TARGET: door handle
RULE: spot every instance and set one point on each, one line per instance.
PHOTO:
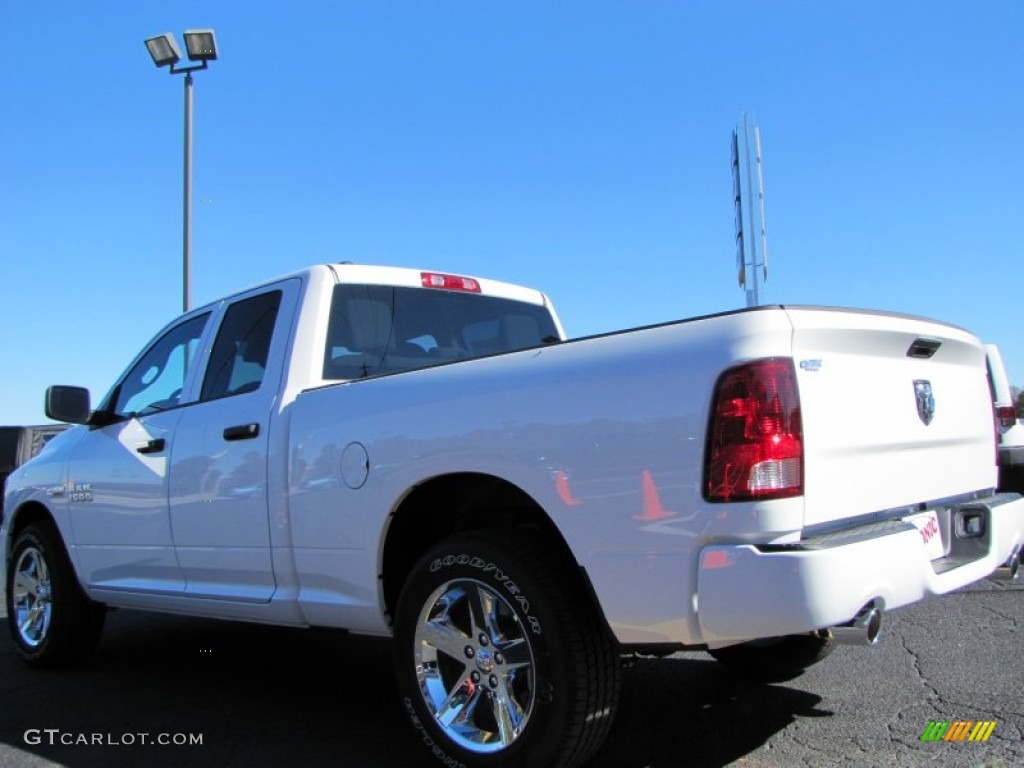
(242, 432)
(153, 446)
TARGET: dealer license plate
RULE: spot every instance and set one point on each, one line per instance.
(927, 524)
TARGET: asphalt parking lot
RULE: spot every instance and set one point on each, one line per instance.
(265, 696)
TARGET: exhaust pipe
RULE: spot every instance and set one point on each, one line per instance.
(864, 629)
(1010, 570)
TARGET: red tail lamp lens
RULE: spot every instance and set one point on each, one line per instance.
(755, 447)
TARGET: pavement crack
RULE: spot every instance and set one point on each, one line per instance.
(915, 663)
(1010, 619)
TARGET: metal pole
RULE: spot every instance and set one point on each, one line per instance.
(752, 298)
(187, 203)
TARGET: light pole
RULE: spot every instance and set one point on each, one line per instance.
(201, 46)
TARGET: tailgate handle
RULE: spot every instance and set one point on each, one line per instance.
(153, 446)
(242, 432)
(922, 349)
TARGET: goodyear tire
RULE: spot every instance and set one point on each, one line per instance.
(776, 659)
(52, 622)
(501, 659)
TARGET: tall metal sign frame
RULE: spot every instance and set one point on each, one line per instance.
(751, 249)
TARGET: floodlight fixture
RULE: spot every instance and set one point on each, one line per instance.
(164, 50)
(201, 44)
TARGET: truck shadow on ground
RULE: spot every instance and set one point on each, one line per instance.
(268, 696)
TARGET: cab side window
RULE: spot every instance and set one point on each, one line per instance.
(156, 381)
(238, 359)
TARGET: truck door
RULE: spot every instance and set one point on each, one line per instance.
(218, 475)
(117, 490)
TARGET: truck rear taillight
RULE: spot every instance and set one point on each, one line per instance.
(1006, 415)
(755, 440)
(449, 282)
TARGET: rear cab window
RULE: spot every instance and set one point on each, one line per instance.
(238, 359)
(379, 329)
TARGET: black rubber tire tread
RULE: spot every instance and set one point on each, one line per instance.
(76, 623)
(776, 660)
(588, 651)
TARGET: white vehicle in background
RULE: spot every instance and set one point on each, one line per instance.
(1010, 430)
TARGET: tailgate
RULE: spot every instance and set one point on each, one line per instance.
(896, 411)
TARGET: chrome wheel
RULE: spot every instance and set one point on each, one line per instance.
(502, 660)
(50, 618)
(474, 666)
(32, 597)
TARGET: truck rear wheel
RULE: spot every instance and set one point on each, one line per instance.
(51, 620)
(500, 661)
(776, 659)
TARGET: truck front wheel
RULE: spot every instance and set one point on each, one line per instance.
(500, 660)
(51, 620)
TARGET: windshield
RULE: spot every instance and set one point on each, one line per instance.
(377, 329)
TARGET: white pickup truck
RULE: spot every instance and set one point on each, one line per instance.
(423, 455)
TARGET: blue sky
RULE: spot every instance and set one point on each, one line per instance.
(579, 147)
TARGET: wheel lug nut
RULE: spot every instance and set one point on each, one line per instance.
(470, 653)
(475, 677)
(493, 681)
(483, 639)
(498, 658)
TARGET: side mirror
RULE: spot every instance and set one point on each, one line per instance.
(70, 404)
